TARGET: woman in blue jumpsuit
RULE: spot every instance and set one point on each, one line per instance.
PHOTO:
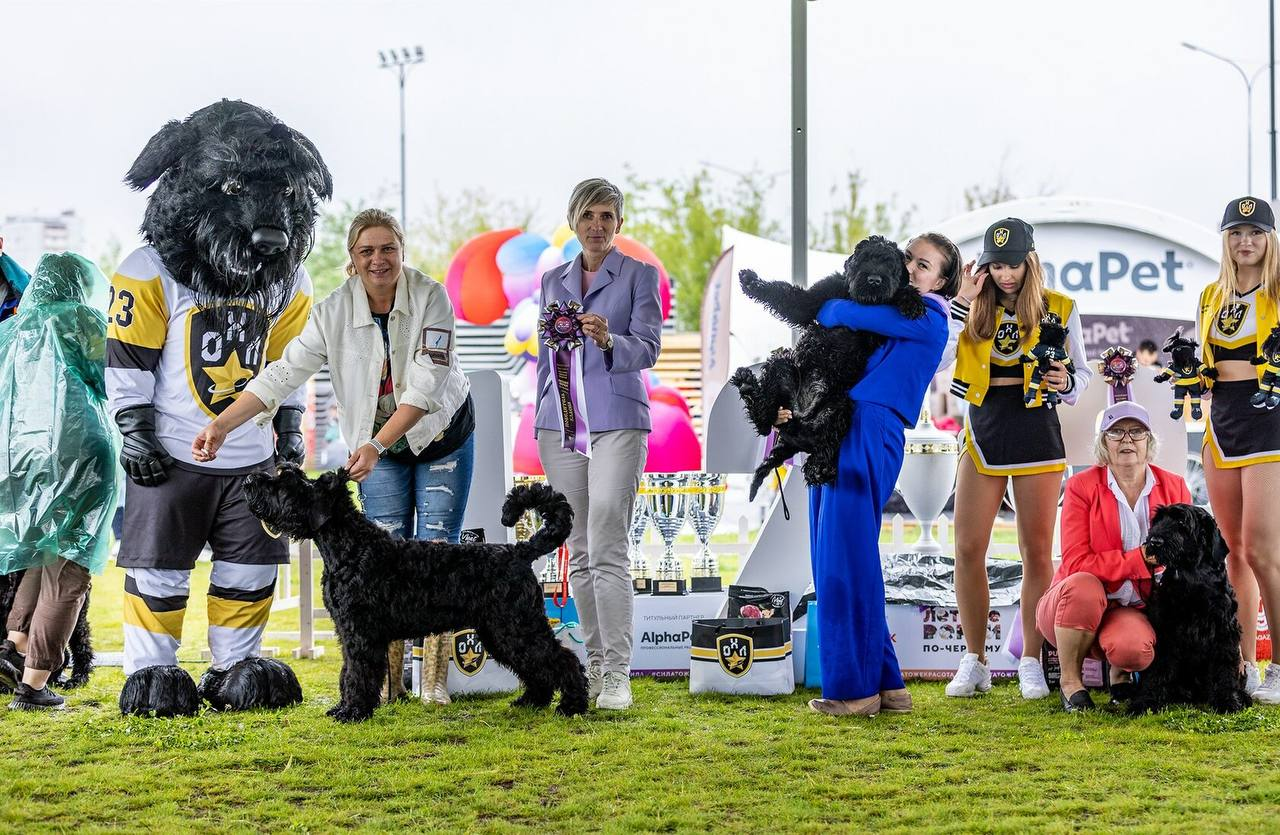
(859, 665)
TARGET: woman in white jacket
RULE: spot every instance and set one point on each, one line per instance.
(388, 330)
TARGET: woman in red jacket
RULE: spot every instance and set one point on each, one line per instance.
(1094, 606)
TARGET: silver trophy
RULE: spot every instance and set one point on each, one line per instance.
(525, 527)
(640, 578)
(667, 496)
(706, 507)
(928, 477)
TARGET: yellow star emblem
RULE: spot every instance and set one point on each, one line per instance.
(469, 657)
(227, 378)
(735, 661)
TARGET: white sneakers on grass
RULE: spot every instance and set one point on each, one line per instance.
(974, 677)
(1268, 693)
(615, 694)
(1031, 679)
(1252, 679)
(595, 680)
(971, 677)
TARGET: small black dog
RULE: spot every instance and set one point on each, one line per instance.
(80, 647)
(1193, 612)
(813, 378)
(379, 589)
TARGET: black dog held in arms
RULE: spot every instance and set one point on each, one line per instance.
(1193, 612)
(379, 589)
(813, 378)
(79, 651)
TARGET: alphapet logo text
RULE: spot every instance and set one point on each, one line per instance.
(1112, 270)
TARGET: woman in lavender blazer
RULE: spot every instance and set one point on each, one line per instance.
(622, 319)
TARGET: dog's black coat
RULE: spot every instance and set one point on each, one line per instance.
(233, 213)
(1193, 612)
(80, 646)
(379, 589)
(813, 378)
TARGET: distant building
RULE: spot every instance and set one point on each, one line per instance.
(27, 237)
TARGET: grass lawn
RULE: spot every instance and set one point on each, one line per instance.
(673, 763)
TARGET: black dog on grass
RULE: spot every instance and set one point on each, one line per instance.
(79, 649)
(813, 378)
(379, 589)
(1193, 612)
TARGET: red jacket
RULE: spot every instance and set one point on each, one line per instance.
(1091, 529)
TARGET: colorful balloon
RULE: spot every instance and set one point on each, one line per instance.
(516, 288)
(673, 444)
(524, 453)
(561, 236)
(670, 396)
(571, 249)
(519, 255)
(551, 257)
(640, 252)
(474, 281)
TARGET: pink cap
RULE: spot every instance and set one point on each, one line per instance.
(1124, 409)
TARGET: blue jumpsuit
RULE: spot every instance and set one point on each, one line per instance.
(857, 653)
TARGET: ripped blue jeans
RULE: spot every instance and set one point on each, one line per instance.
(425, 500)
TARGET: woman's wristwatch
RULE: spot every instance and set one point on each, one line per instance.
(377, 446)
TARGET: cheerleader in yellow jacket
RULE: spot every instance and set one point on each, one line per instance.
(995, 319)
(1241, 442)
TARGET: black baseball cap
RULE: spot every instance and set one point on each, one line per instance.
(1007, 241)
(1253, 211)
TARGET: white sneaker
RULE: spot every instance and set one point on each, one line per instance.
(595, 680)
(1031, 679)
(971, 676)
(1268, 693)
(1252, 679)
(616, 693)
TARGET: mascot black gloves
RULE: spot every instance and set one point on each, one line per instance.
(290, 448)
(141, 454)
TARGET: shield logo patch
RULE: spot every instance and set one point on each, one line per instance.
(1000, 237)
(1231, 317)
(1247, 207)
(221, 359)
(1006, 342)
(468, 653)
(735, 652)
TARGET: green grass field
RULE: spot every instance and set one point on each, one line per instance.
(673, 763)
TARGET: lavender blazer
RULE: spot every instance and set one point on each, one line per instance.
(625, 293)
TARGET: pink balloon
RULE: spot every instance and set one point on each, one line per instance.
(517, 288)
(524, 319)
(524, 454)
(670, 396)
(550, 258)
(673, 445)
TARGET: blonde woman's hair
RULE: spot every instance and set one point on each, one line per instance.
(981, 324)
(1103, 458)
(590, 192)
(1270, 267)
(371, 219)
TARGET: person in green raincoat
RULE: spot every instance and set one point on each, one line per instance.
(57, 468)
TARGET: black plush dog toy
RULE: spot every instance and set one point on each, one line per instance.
(1193, 612)
(1268, 394)
(1187, 372)
(813, 378)
(379, 589)
(1051, 347)
(80, 647)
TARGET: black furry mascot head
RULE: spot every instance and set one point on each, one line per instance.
(233, 214)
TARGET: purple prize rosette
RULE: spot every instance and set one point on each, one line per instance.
(1118, 367)
(560, 328)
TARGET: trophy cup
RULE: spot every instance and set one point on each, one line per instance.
(928, 476)
(706, 507)
(525, 526)
(640, 578)
(666, 495)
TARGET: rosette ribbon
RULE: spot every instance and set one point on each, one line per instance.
(561, 330)
(1118, 367)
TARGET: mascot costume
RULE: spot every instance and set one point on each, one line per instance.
(215, 295)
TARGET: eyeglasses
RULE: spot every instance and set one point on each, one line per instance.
(1132, 434)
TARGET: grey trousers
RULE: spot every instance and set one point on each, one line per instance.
(602, 492)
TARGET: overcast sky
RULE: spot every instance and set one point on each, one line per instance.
(525, 97)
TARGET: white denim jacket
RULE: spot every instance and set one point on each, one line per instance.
(341, 331)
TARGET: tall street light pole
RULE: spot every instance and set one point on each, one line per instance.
(799, 147)
(1248, 89)
(400, 60)
(1271, 46)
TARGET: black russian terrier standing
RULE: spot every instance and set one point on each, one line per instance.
(80, 646)
(1193, 612)
(813, 378)
(379, 589)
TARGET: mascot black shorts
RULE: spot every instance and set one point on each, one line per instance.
(1004, 437)
(166, 526)
(1237, 434)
